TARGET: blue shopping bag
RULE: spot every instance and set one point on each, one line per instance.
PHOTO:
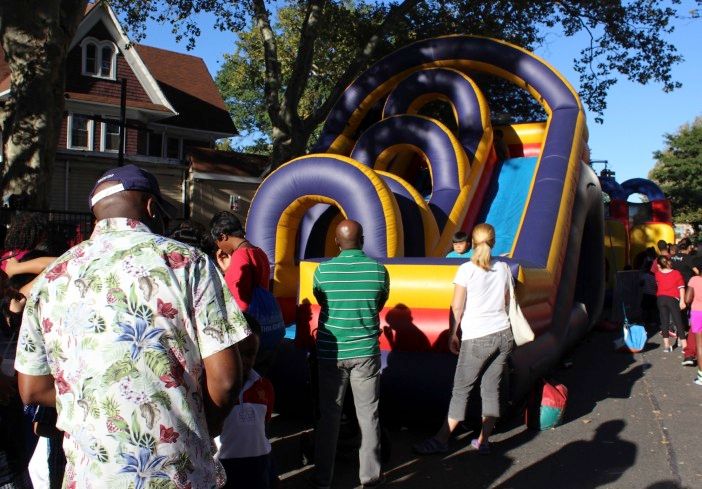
(635, 336)
(266, 310)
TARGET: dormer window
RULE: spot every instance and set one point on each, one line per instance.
(99, 58)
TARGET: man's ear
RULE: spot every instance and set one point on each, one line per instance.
(151, 206)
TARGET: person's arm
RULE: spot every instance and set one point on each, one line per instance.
(35, 266)
(37, 389)
(220, 326)
(223, 381)
(689, 294)
(385, 293)
(458, 304)
(682, 303)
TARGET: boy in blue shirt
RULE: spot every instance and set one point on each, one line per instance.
(461, 248)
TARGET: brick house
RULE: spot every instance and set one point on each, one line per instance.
(172, 107)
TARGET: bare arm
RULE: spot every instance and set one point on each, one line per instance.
(690, 295)
(35, 266)
(458, 305)
(37, 389)
(223, 380)
(682, 297)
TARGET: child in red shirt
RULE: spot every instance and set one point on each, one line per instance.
(671, 300)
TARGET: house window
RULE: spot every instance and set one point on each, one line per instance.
(107, 55)
(110, 136)
(173, 148)
(99, 58)
(80, 132)
(155, 144)
(90, 59)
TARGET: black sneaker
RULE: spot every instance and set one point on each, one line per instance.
(689, 361)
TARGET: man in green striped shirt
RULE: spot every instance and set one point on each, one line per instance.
(351, 290)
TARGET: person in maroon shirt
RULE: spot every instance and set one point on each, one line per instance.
(671, 300)
(244, 265)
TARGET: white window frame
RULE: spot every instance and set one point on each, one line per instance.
(98, 58)
(103, 136)
(69, 133)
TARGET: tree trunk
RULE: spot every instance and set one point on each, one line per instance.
(288, 144)
(35, 36)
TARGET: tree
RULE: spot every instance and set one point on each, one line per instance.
(35, 36)
(287, 72)
(678, 171)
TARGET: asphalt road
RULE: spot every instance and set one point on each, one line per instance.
(633, 421)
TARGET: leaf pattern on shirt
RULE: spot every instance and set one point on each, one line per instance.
(122, 321)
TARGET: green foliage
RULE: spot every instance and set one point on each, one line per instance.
(279, 86)
(678, 171)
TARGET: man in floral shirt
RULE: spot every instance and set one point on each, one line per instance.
(133, 338)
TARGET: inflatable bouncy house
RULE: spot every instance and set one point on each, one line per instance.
(412, 183)
(632, 227)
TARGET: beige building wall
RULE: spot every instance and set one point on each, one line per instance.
(208, 197)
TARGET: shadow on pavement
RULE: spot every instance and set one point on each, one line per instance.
(581, 464)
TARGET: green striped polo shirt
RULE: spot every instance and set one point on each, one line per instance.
(351, 290)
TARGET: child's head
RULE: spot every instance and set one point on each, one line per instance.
(248, 347)
(460, 242)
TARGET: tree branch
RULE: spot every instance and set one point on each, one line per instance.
(272, 78)
(305, 56)
(366, 53)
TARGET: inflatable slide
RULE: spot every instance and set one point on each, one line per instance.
(412, 181)
(632, 227)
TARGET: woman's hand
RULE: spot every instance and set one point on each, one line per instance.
(682, 304)
(454, 343)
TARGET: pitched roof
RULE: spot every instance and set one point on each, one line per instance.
(188, 85)
(227, 162)
(185, 82)
(101, 99)
(5, 68)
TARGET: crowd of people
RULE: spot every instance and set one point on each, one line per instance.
(672, 297)
(141, 359)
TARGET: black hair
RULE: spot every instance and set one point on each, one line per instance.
(226, 223)
(254, 325)
(662, 260)
(662, 245)
(26, 231)
(460, 236)
(189, 233)
(684, 244)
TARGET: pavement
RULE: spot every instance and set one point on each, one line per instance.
(632, 421)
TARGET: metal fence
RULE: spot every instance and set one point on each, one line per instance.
(63, 226)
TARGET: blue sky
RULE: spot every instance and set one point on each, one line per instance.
(636, 118)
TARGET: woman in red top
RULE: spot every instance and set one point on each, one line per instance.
(671, 300)
(244, 265)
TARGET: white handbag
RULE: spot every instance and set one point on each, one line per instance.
(521, 330)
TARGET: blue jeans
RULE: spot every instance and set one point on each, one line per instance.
(364, 376)
(486, 355)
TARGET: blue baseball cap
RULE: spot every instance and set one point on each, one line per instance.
(130, 177)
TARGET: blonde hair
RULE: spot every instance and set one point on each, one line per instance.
(483, 241)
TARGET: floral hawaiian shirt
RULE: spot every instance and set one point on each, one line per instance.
(122, 322)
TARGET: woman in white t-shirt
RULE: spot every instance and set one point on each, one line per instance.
(480, 304)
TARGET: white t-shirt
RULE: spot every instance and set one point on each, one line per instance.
(486, 310)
